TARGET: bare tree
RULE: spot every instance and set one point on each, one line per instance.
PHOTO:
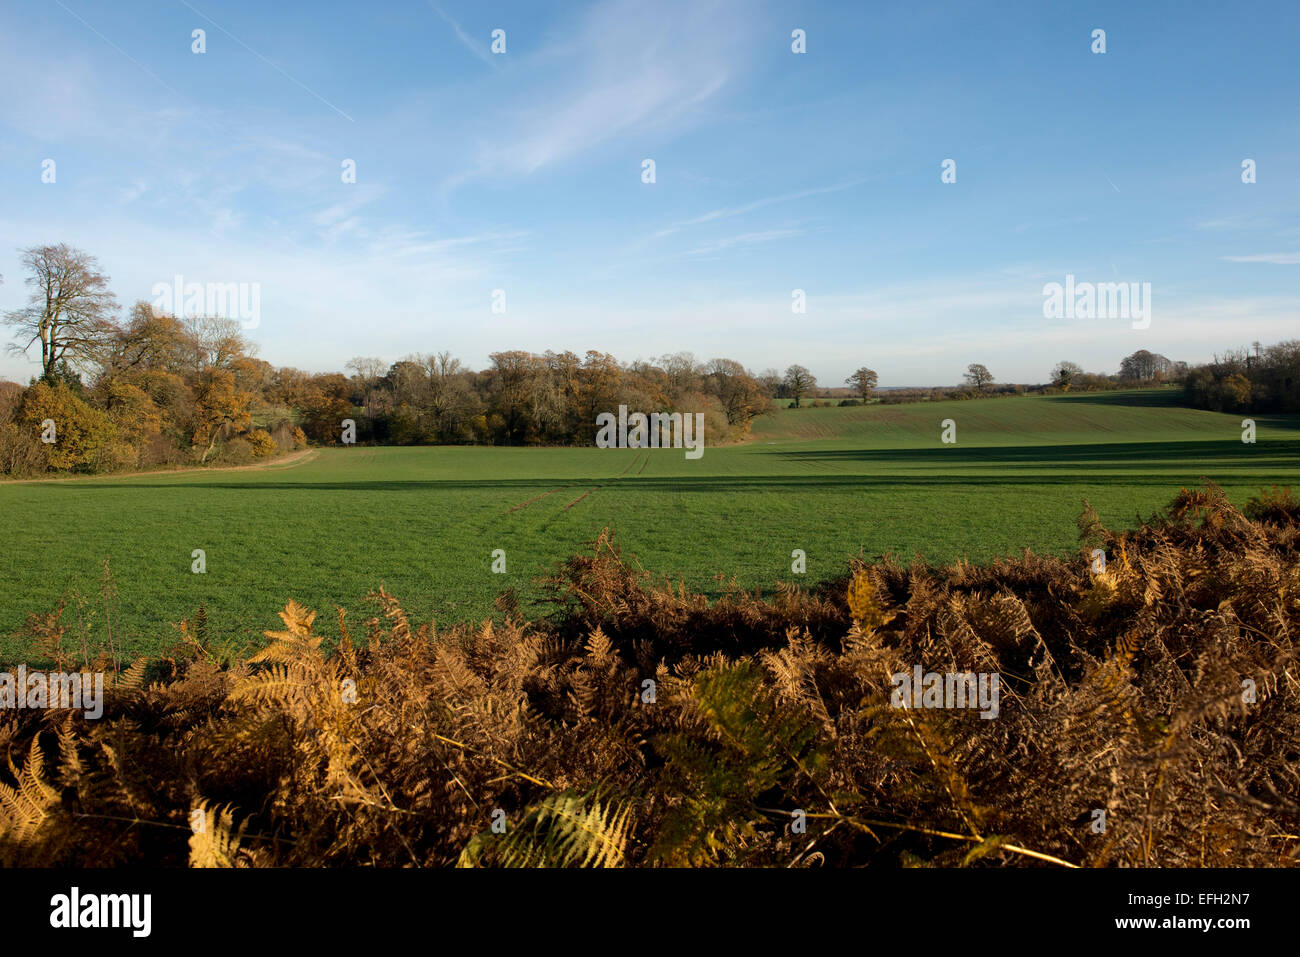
(367, 368)
(863, 380)
(741, 396)
(683, 373)
(512, 372)
(1144, 366)
(799, 382)
(770, 380)
(368, 371)
(214, 342)
(69, 311)
(1064, 373)
(451, 400)
(978, 375)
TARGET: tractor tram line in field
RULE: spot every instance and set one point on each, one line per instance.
(632, 464)
(582, 496)
(536, 498)
(642, 458)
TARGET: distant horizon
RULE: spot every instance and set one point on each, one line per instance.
(821, 383)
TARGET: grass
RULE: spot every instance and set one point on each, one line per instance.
(835, 482)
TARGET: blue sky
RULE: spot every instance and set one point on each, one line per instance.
(774, 171)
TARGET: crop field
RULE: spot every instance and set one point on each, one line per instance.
(424, 522)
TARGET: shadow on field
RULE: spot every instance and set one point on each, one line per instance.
(1153, 464)
(793, 484)
(1113, 456)
(1141, 399)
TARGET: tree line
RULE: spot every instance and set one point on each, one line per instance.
(524, 398)
(1259, 379)
(153, 389)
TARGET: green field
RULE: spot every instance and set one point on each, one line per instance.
(835, 482)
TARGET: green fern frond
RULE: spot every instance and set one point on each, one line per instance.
(755, 743)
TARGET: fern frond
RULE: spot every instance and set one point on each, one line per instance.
(275, 685)
(297, 638)
(214, 840)
(23, 809)
(599, 647)
(757, 743)
(563, 830)
(133, 678)
(865, 605)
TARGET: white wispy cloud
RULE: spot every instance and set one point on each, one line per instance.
(1277, 259)
(357, 195)
(742, 239)
(276, 67)
(398, 244)
(479, 50)
(728, 212)
(1239, 221)
(634, 67)
(133, 192)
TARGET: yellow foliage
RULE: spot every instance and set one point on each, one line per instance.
(25, 808)
(263, 445)
(866, 608)
(214, 841)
